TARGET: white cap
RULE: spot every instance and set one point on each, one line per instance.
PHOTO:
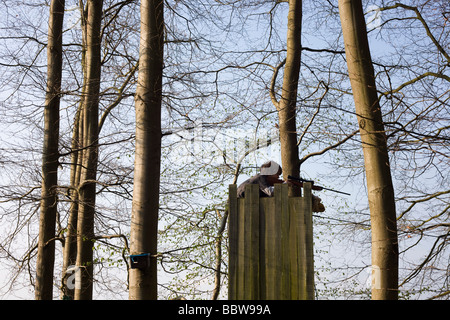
(272, 169)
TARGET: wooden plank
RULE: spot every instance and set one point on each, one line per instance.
(273, 246)
(277, 262)
(300, 209)
(264, 208)
(251, 250)
(271, 275)
(285, 292)
(233, 232)
(309, 243)
(294, 243)
(240, 257)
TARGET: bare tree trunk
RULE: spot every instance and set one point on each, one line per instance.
(376, 158)
(70, 242)
(87, 188)
(48, 209)
(144, 218)
(288, 102)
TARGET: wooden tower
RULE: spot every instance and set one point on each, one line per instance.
(271, 245)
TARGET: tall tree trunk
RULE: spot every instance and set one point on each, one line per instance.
(288, 102)
(70, 243)
(144, 218)
(48, 208)
(376, 158)
(87, 188)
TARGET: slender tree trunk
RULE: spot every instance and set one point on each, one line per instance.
(87, 188)
(70, 243)
(376, 158)
(288, 102)
(48, 209)
(144, 218)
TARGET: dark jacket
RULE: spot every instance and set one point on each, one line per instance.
(265, 190)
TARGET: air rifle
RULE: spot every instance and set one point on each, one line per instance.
(314, 187)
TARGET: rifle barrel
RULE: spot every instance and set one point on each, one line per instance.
(348, 194)
(303, 180)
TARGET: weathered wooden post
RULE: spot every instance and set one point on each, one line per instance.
(271, 245)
